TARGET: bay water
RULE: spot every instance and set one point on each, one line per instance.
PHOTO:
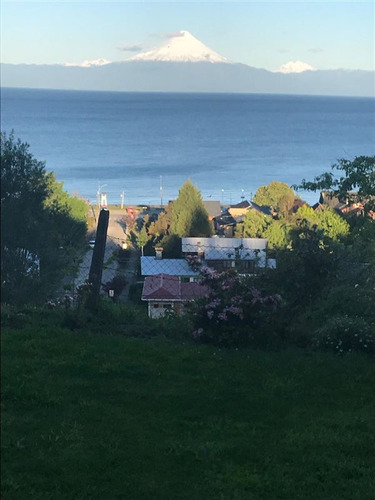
(147, 144)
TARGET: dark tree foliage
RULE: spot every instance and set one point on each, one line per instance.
(172, 246)
(189, 217)
(42, 228)
(355, 181)
(307, 265)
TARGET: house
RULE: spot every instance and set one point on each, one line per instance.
(167, 294)
(239, 209)
(297, 204)
(152, 266)
(213, 208)
(263, 209)
(225, 225)
(328, 199)
(348, 207)
(242, 208)
(243, 254)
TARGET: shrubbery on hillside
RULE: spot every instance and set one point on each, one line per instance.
(42, 228)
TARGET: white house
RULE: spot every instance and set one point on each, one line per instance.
(223, 253)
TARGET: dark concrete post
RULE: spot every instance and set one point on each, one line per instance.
(96, 268)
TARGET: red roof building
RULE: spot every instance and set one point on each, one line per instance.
(168, 294)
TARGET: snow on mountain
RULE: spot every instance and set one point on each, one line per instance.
(183, 47)
(89, 64)
(295, 67)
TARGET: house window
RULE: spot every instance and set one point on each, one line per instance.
(155, 306)
(228, 263)
(167, 306)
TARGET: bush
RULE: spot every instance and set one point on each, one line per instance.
(117, 284)
(233, 312)
(345, 334)
(123, 256)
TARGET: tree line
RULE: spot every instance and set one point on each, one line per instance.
(43, 229)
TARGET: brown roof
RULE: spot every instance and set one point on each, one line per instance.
(242, 204)
(169, 287)
(213, 208)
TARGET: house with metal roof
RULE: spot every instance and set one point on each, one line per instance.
(151, 266)
(244, 254)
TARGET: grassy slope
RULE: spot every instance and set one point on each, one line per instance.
(114, 418)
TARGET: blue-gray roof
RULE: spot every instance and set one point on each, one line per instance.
(176, 267)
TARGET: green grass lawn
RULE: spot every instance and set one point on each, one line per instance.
(95, 417)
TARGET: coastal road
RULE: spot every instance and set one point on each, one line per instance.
(116, 234)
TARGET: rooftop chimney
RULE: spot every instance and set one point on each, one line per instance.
(158, 253)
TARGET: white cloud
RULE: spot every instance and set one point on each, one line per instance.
(173, 34)
(166, 36)
(130, 48)
(295, 67)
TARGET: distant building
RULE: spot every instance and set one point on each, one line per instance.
(225, 225)
(213, 208)
(347, 207)
(166, 294)
(244, 254)
(239, 209)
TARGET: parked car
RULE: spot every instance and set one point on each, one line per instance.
(92, 243)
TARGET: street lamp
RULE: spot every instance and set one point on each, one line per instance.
(98, 194)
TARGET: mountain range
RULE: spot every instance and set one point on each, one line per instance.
(184, 64)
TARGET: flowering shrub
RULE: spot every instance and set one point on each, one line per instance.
(233, 312)
(83, 292)
(345, 334)
(66, 301)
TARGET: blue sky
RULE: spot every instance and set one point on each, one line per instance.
(326, 35)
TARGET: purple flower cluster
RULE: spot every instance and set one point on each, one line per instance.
(214, 303)
(230, 305)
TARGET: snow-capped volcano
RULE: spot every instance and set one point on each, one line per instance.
(182, 47)
(89, 64)
(295, 67)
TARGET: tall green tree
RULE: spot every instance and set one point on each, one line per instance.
(189, 217)
(353, 181)
(42, 228)
(254, 225)
(272, 194)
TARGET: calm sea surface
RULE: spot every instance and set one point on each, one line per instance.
(227, 144)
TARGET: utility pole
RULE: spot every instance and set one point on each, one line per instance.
(161, 192)
(96, 268)
(98, 197)
(122, 196)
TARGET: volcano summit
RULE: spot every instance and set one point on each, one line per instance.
(184, 64)
(181, 47)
